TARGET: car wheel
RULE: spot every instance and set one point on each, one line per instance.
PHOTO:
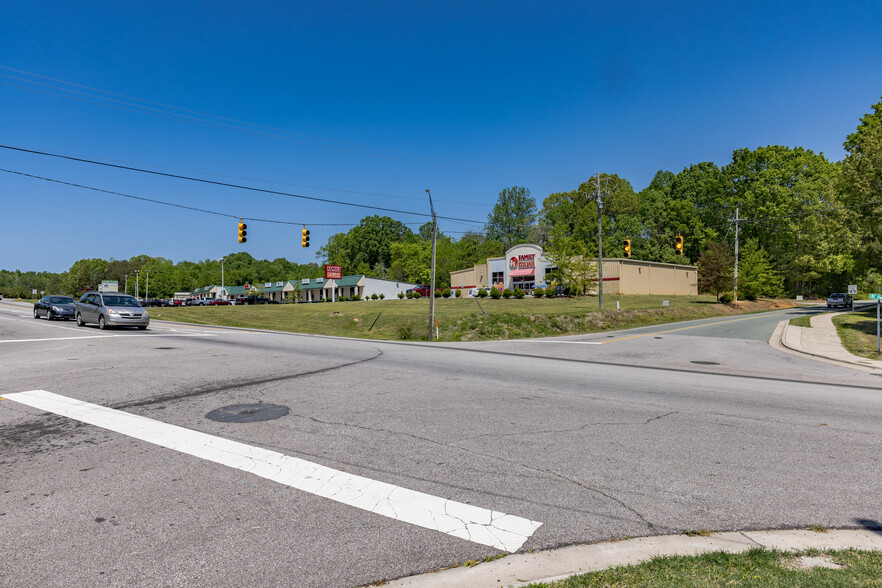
(142, 327)
(101, 323)
(36, 314)
(80, 322)
(48, 315)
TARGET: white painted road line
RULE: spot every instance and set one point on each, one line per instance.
(555, 341)
(487, 527)
(139, 335)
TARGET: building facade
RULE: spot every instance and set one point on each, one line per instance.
(525, 267)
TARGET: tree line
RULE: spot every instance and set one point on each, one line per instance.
(805, 224)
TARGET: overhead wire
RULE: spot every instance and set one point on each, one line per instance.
(231, 185)
(249, 128)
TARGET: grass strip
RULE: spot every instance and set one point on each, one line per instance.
(802, 321)
(463, 320)
(757, 567)
(857, 331)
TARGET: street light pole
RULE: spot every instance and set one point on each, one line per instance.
(222, 278)
(599, 247)
(147, 287)
(432, 286)
(137, 287)
(127, 283)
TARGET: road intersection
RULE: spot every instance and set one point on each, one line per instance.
(636, 433)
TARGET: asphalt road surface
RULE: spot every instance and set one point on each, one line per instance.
(396, 458)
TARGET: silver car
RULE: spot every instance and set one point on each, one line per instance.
(111, 309)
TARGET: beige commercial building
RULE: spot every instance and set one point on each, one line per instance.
(525, 267)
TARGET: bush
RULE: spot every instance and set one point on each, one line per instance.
(382, 296)
(401, 296)
(417, 295)
(538, 292)
(405, 332)
(482, 293)
(446, 293)
(437, 293)
(506, 293)
(726, 298)
(374, 297)
(495, 294)
(750, 296)
(518, 293)
(410, 295)
(459, 293)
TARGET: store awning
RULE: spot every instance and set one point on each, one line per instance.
(521, 272)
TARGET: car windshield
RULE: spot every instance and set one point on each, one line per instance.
(61, 300)
(120, 301)
(837, 295)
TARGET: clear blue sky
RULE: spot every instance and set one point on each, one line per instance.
(373, 102)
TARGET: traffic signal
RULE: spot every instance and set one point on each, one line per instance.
(242, 232)
(305, 240)
(678, 244)
(627, 247)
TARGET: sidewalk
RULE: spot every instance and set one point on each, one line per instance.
(520, 569)
(821, 341)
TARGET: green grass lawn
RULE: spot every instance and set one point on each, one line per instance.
(757, 567)
(458, 319)
(857, 330)
(801, 321)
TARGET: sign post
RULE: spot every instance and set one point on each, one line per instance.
(878, 299)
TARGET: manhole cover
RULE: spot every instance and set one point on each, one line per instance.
(248, 413)
(707, 362)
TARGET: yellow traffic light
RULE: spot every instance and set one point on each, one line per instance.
(242, 232)
(628, 247)
(305, 241)
(678, 244)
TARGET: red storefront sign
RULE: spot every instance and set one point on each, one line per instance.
(333, 272)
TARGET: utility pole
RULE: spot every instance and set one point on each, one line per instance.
(599, 247)
(432, 286)
(127, 283)
(222, 278)
(735, 289)
(137, 288)
(147, 287)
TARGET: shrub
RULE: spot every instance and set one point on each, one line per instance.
(437, 293)
(410, 295)
(458, 293)
(750, 296)
(446, 293)
(401, 296)
(725, 298)
(374, 297)
(538, 292)
(405, 332)
(518, 293)
(382, 296)
(354, 297)
(506, 293)
(495, 294)
(482, 293)
(417, 295)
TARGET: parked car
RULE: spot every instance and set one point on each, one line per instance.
(111, 309)
(840, 299)
(62, 307)
(252, 300)
(177, 302)
(219, 302)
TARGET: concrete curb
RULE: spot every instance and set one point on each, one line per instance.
(520, 569)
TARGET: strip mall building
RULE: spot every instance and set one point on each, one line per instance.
(525, 267)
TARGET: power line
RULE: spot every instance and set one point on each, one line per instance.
(230, 185)
(233, 124)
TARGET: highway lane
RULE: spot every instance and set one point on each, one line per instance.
(593, 441)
